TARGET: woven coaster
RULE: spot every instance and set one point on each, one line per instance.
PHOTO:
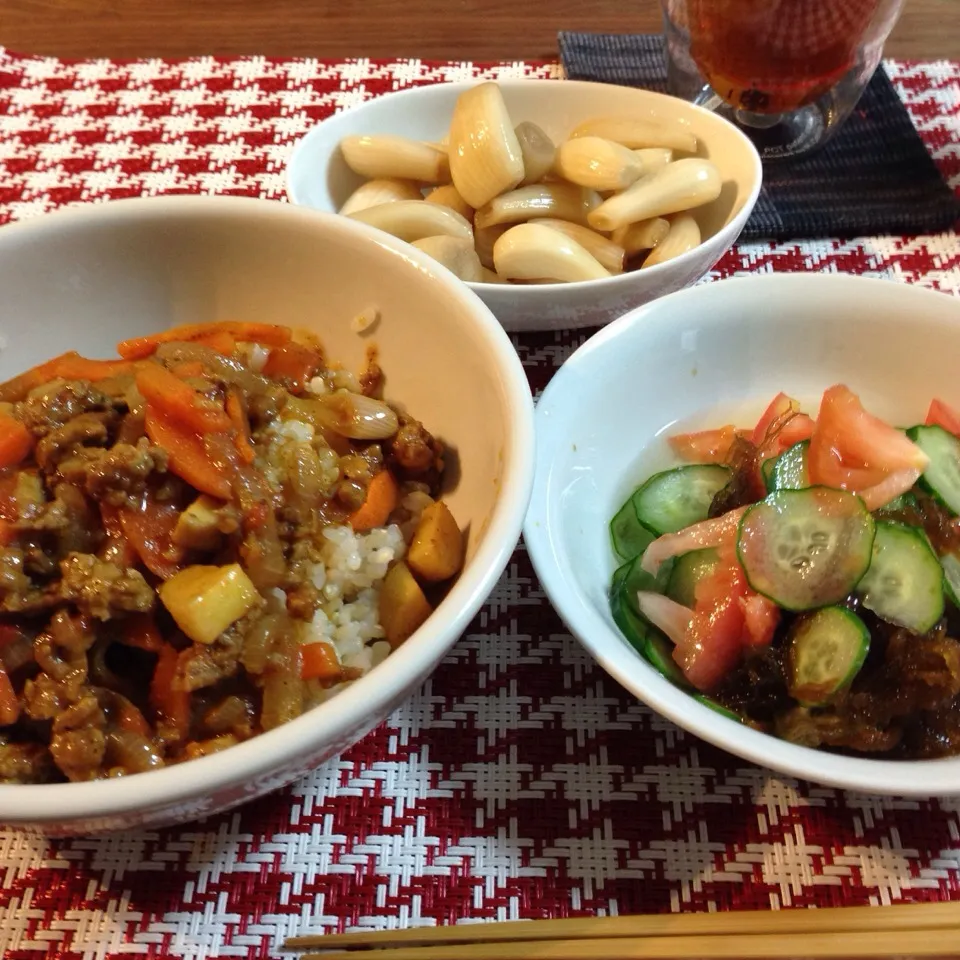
(874, 177)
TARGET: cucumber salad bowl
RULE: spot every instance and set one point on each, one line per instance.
(746, 507)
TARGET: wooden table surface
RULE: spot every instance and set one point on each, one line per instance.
(431, 29)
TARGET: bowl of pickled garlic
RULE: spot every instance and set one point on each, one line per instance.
(655, 190)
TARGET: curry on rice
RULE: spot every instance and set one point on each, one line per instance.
(199, 541)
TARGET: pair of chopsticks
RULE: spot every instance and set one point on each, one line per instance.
(842, 933)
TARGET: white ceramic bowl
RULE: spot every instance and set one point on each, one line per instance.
(707, 356)
(87, 277)
(318, 177)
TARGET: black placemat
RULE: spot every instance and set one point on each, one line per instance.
(874, 177)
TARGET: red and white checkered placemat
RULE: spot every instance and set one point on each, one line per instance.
(520, 781)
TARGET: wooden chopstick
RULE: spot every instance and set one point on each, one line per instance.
(868, 945)
(913, 916)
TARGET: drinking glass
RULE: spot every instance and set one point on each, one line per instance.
(787, 72)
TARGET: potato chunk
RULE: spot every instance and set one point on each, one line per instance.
(403, 607)
(204, 601)
(436, 552)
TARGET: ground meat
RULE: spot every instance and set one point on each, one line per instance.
(413, 449)
(59, 403)
(371, 380)
(70, 519)
(64, 442)
(203, 665)
(303, 600)
(120, 475)
(45, 698)
(79, 741)
(26, 763)
(103, 589)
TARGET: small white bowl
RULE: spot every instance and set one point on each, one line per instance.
(318, 177)
(706, 356)
(90, 276)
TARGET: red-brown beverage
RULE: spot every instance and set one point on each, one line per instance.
(771, 56)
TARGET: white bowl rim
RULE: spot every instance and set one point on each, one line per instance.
(606, 285)
(49, 803)
(906, 778)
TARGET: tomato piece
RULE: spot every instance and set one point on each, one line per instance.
(943, 415)
(704, 446)
(761, 618)
(167, 698)
(714, 640)
(795, 430)
(778, 408)
(294, 365)
(852, 449)
(148, 530)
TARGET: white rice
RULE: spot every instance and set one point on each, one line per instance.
(349, 576)
(348, 571)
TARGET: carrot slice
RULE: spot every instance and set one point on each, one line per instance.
(71, 366)
(187, 453)
(16, 441)
(179, 401)
(241, 438)
(318, 661)
(383, 494)
(266, 334)
(222, 341)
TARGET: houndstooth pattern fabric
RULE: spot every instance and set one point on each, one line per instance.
(520, 781)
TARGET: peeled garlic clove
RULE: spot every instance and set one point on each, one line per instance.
(598, 163)
(606, 252)
(634, 133)
(485, 155)
(483, 240)
(395, 157)
(448, 196)
(654, 159)
(559, 201)
(374, 192)
(413, 220)
(644, 235)
(532, 252)
(681, 185)
(539, 152)
(489, 276)
(456, 254)
(684, 235)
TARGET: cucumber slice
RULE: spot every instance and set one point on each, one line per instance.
(790, 468)
(806, 548)
(950, 563)
(942, 476)
(825, 652)
(652, 645)
(627, 534)
(674, 499)
(904, 584)
(766, 472)
(687, 572)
